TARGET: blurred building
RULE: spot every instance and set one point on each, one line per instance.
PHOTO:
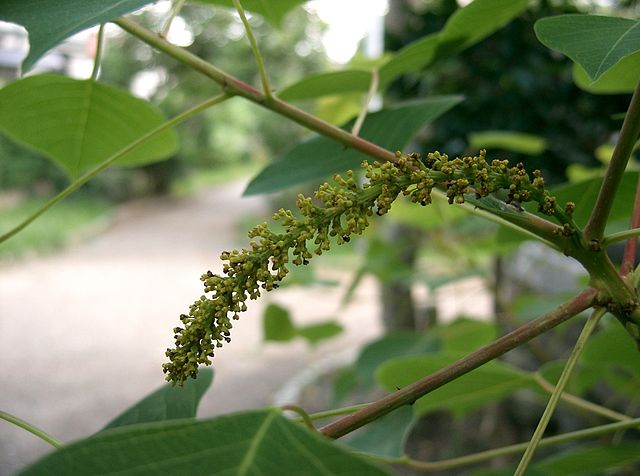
(74, 57)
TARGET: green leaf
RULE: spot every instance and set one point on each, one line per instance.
(386, 436)
(476, 21)
(324, 84)
(620, 78)
(252, 443)
(467, 26)
(338, 109)
(320, 331)
(319, 157)
(616, 359)
(489, 383)
(584, 195)
(436, 216)
(79, 124)
(529, 144)
(391, 346)
(344, 382)
(49, 22)
(167, 403)
(273, 11)
(594, 42)
(593, 460)
(277, 324)
(465, 335)
(383, 260)
(582, 378)
(529, 306)
(413, 57)
(306, 277)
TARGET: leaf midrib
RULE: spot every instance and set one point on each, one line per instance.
(82, 127)
(612, 49)
(249, 457)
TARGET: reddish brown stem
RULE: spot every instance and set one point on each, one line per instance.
(411, 393)
(630, 249)
(234, 86)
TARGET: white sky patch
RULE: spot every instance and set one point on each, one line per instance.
(179, 33)
(348, 21)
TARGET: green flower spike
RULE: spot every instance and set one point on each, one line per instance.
(338, 211)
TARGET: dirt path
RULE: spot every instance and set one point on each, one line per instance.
(83, 332)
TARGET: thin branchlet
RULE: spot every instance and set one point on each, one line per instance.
(336, 213)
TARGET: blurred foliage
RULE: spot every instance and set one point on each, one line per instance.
(511, 82)
(27, 170)
(234, 133)
(68, 220)
(237, 130)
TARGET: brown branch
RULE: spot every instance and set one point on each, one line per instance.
(236, 87)
(411, 393)
(630, 248)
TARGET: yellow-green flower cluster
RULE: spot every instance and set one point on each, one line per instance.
(337, 212)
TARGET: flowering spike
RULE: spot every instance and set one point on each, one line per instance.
(345, 210)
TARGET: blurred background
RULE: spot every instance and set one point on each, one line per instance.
(89, 293)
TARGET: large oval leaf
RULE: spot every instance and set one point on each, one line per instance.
(489, 383)
(251, 443)
(319, 157)
(167, 403)
(595, 42)
(79, 124)
(49, 22)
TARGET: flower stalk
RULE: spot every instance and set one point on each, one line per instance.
(345, 210)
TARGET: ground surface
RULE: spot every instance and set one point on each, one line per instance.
(83, 332)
